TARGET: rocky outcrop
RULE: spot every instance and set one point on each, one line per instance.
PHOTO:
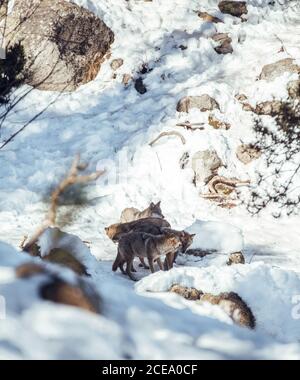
(64, 44)
(209, 18)
(293, 88)
(247, 153)
(218, 124)
(190, 294)
(205, 164)
(66, 259)
(274, 70)
(233, 8)
(271, 108)
(202, 102)
(231, 303)
(236, 258)
(55, 288)
(140, 86)
(224, 43)
(78, 295)
(116, 63)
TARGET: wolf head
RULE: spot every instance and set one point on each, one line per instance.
(112, 231)
(156, 210)
(186, 240)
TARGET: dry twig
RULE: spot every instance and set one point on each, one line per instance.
(168, 134)
(191, 126)
(72, 178)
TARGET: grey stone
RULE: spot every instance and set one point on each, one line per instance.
(64, 43)
(202, 102)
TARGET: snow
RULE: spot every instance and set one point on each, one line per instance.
(111, 127)
(216, 236)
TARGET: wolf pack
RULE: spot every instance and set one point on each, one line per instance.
(146, 235)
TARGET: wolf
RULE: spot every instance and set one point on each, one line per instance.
(143, 245)
(186, 240)
(115, 231)
(131, 214)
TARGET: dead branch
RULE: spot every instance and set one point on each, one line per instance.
(191, 126)
(168, 134)
(72, 178)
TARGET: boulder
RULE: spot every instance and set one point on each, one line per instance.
(208, 18)
(247, 153)
(293, 88)
(224, 43)
(202, 102)
(218, 124)
(205, 164)
(64, 44)
(274, 70)
(139, 86)
(233, 8)
(116, 63)
(79, 295)
(190, 294)
(271, 108)
(66, 259)
(233, 305)
(236, 258)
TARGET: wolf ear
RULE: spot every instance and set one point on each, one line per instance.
(192, 235)
(152, 204)
(158, 204)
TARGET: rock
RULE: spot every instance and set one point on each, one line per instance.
(217, 124)
(139, 86)
(205, 164)
(116, 64)
(28, 270)
(224, 42)
(271, 108)
(66, 259)
(190, 294)
(293, 88)
(241, 97)
(274, 70)
(236, 258)
(64, 43)
(233, 8)
(208, 18)
(233, 305)
(79, 295)
(247, 107)
(202, 102)
(126, 79)
(247, 153)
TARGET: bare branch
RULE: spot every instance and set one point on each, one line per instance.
(191, 126)
(168, 134)
(71, 179)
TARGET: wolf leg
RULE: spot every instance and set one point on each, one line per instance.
(143, 264)
(160, 264)
(128, 270)
(150, 260)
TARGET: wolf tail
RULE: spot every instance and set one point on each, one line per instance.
(116, 262)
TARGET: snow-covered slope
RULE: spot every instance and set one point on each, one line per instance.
(111, 126)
